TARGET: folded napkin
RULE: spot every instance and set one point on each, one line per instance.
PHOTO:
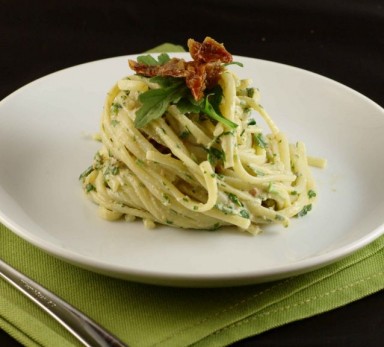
(146, 315)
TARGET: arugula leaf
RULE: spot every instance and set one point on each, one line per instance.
(173, 90)
(163, 58)
(156, 101)
(189, 105)
(151, 61)
(215, 95)
(209, 110)
(164, 81)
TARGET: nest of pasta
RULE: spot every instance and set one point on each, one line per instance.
(182, 145)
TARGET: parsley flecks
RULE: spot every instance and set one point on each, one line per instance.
(244, 214)
(215, 226)
(311, 194)
(112, 170)
(114, 122)
(305, 210)
(250, 92)
(86, 172)
(115, 107)
(234, 199)
(215, 154)
(184, 134)
(89, 187)
(260, 140)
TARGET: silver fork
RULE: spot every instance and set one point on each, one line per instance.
(81, 326)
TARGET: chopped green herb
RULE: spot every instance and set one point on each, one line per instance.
(139, 162)
(252, 121)
(311, 194)
(260, 140)
(215, 226)
(111, 169)
(184, 134)
(250, 92)
(114, 122)
(115, 107)
(305, 210)
(89, 187)
(234, 199)
(244, 214)
(86, 172)
(166, 198)
(215, 155)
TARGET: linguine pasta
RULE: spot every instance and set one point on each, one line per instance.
(188, 170)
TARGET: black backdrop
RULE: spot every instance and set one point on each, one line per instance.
(343, 40)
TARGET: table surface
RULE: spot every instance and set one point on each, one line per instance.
(341, 40)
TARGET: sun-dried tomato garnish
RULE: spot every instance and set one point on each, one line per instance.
(201, 73)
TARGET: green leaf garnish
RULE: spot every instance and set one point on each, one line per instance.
(174, 90)
(151, 61)
(188, 105)
(211, 112)
(156, 101)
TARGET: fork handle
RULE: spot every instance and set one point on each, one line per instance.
(82, 327)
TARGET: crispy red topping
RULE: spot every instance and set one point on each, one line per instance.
(201, 73)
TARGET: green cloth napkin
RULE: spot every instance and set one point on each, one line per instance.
(145, 315)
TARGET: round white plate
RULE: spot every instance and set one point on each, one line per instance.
(45, 144)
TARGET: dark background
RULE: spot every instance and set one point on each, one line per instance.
(343, 40)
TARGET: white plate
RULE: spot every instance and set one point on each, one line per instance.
(44, 146)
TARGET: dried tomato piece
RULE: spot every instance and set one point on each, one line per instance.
(200, 73)
(174, 68)
(208, 51)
